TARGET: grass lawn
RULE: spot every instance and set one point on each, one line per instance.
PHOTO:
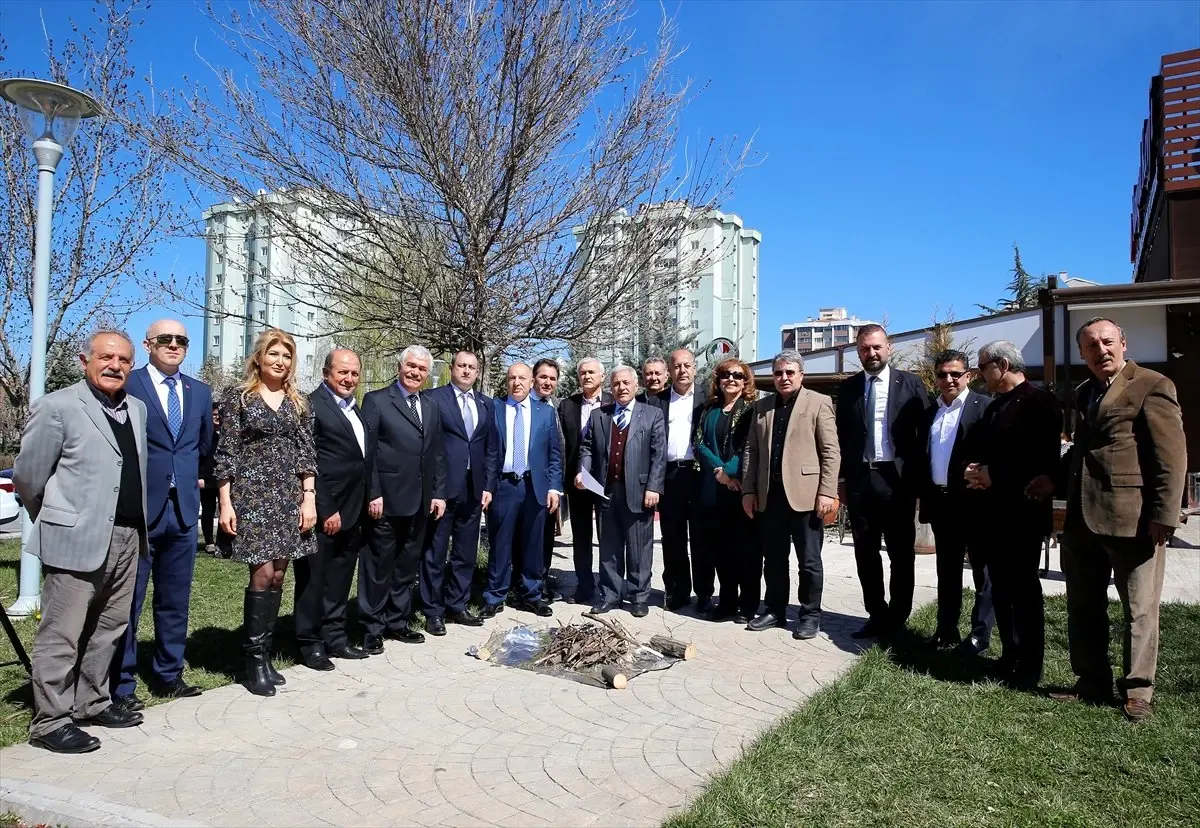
(913, 738)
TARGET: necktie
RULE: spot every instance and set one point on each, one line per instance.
(412, 403)
(468, 414)
(518, 441)
(870, 446)
(174, 409)
(622, 418)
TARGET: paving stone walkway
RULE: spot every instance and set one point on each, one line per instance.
(426, 735)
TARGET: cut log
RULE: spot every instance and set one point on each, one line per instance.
(672, 647)
(613, 677)
(483, 654)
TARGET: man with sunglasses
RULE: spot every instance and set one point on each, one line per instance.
(179, 433)
(947, 434)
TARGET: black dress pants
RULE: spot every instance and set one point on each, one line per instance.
(584, 513)
(950, 535)
(783, 527)
(731, 542)
(882, 508)
(1012, 553)
(387, 572)
(323, 589)
(677, 520)
(208, 511)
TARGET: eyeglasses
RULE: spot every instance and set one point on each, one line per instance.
(166, 339)
(950, 374)
(983, 365)
(733, 375)
(785, 373)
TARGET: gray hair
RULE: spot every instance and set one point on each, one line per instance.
(418, 351)
(1005, 350)
(1095, 320)
(99, 332)
(789, 355)
(654, 359)
(622, 369)
(585, 361)
(327, 366)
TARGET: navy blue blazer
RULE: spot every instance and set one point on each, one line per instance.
(544, 452)
(481, 449)
(168, 458)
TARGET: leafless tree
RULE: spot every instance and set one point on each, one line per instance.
(488, 164)
(110, 209)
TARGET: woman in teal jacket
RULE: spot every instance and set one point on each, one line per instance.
(718, 441)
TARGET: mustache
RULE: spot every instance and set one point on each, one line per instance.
(115, 373)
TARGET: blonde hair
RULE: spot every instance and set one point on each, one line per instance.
(253, 377)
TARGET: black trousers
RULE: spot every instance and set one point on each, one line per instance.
(584, 515)
(882, 508)
(783, 527)
(448, 560)
(387, 572)
(323, 589)
(208, 511)
(731, 541)
(1012, 551)
(677, 520)
(950, 535)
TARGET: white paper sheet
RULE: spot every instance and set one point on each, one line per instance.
(592, 484)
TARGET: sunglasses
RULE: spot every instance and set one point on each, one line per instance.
(950, 374)
(733, 375)
(166, 339)
(782, 373)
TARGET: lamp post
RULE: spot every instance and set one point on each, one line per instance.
(51, 114)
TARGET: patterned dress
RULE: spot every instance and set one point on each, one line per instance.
(264, 453)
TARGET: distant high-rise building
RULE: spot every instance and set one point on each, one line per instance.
(702, 281)
(831, 327)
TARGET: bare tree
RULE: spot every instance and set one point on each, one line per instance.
(110, 209)
(489, 165)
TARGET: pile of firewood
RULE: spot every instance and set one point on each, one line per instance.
(584, 646)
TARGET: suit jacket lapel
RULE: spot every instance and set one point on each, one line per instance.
(893, 396)
(860, 401)
(142, 375)
(456, 419)
(1115, 390)
(325, 398)
(96, 412)
(401, 403)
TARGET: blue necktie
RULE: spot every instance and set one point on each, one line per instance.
(518, 443)
(622, 418)
(174, 410)
(869, 448)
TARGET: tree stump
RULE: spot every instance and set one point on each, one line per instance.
(672, 647)
(613, 677)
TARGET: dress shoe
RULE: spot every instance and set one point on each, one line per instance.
(704, 606)
(1083, 693)
(766, 621)
(315, 658)
(720, 613)
(373, 644)
(435, 625)
(130, 702)
(178, 689)
(675, 603)
(1136, 710)
(1021, 682)
(538, 608)
(491, 610)
(67, 739)
(639, 610)
(112, 716)
(605, 606)
(406, 635)
(466, 619)
(741, 619)
(972, 646)
(874, 628)
(807, 628)
(584, 599)
(348, 651)
(943, 641)
(210, 548)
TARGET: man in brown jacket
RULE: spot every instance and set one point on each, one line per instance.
(789, 480)
(1124, 485)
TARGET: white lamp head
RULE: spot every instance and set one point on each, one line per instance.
(49, 110)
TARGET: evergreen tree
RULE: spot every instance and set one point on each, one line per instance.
(1022, 288)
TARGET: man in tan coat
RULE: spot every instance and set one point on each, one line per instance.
(789, 482)
(1124, 485)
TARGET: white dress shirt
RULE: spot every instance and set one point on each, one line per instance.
(879, 419)
(404, 393)
(586, 409)
(350, 412)
(679, 431)
(160, 386)
(510, 414)
(942, 435)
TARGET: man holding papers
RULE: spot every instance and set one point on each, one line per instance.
(625, 452)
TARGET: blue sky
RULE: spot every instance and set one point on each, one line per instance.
(907, 145)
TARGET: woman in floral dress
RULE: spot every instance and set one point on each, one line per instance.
(266, 467)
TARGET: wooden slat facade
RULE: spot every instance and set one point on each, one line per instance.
(1179, 116)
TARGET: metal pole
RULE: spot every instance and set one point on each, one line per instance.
(48, 154)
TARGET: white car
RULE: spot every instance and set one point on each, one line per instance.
(10, 508)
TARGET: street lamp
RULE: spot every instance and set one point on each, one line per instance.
(50, 113)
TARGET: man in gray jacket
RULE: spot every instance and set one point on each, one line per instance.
(81, 475)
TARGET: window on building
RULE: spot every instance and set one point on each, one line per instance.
(695, 304)
(695, 245)
(311, 316)
(262, 316)
(216, 341)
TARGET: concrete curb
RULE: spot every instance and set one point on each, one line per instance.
(38, 803)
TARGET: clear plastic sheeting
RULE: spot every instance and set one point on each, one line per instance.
(523, 646)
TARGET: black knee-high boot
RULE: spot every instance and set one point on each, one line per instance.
(255, 612)
(276, 597)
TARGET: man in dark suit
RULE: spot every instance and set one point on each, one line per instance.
(179, 433)
(471, 444)
(655, 378)
(879, 414)
(530, 486)
(947, 433)
(677, 518)
(1014, 462)
(575, 413)
(323, 580)
(406, 473)
(1125, 481)
(625, 451)
(545, 382)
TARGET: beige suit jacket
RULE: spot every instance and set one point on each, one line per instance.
(811, 455)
